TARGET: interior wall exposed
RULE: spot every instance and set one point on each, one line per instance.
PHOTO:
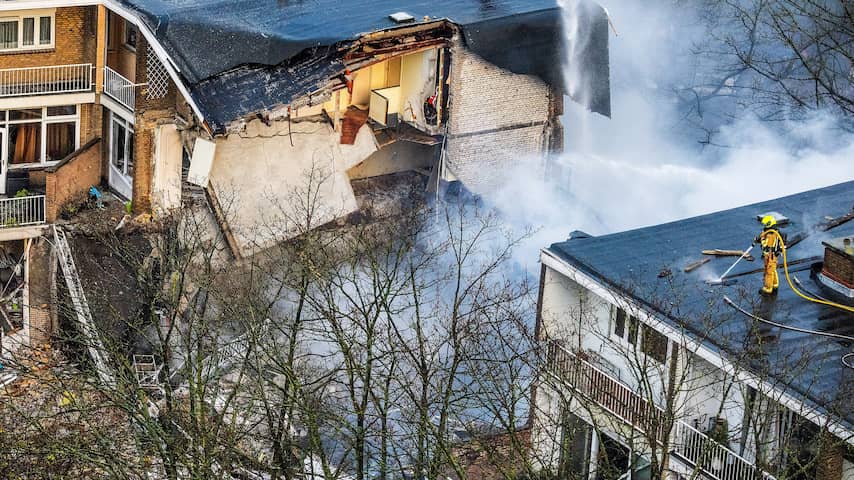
(394, 158)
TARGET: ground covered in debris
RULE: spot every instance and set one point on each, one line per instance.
(53, 425)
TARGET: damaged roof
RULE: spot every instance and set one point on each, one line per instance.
(243, 56)
(647, 264)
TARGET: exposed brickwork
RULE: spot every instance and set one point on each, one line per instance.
(496, 118)
(830, 456)
(74, 42)
(70, 181)
(149, 113)
(481, 161)
(41, 326)
(839, 267)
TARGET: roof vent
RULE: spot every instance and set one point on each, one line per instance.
(837, 274)
(779, 217)
(401, 17)
(578, 235)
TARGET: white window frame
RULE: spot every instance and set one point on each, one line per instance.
(624, 338)
(44, 121)
(36, 15)
(637, 345)
(128, 129)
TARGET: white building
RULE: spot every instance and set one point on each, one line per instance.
(645, 360)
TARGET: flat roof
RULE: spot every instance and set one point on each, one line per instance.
(243, 56)
(646, 264)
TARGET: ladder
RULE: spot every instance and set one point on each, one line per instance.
(81, 307)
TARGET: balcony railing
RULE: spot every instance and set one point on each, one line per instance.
(687, 443)
(22, 211)
(119, 88)
(16, 82)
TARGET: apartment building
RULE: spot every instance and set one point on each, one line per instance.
(656, 365)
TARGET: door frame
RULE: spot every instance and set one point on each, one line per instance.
(118, 180)
(4, 160)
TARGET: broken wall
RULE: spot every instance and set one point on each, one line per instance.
(269, 178)
(495, 118)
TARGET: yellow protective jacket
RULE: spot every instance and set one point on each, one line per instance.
(769, 239)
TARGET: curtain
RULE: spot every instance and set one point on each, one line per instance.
(9, 34)
(60, 140)
(27, 143)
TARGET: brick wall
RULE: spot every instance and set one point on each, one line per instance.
(41, 325)
(149, 113)
(830, 456)
(74, 42)
(70, 179)
(839, 266)
(495, 118)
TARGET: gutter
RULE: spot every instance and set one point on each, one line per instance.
(814, 413)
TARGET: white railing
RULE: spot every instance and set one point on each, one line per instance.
(711, 457)
(20, 211)
(119, 88)
(689, 444)
(15, 82)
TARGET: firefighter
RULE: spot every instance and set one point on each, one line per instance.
(772, 246)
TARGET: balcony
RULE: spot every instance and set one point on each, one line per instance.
(691, 446)
(57, 79)
(119, 88)
(22, 211)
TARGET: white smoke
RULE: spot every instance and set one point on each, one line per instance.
(645, 166)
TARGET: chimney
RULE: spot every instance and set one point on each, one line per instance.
(837, 273)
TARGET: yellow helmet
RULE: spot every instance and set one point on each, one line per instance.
(768, 221)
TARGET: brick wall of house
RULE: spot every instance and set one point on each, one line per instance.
(495, 117)
(830, 455)
(151, 110)
(70, 180)
(41, 325)
(74, 42)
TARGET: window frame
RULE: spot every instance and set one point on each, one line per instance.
(44, 121)
(127, 29)
(634, 333)
(36, 16)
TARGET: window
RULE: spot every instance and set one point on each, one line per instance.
(130, 36)
(28, 31)
(625, 327)
(654, 344)
(37, 136)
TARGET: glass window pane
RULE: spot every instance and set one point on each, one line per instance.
(8, 34)
(620, 323)
(25, 143)
(129, 170)
(62, 110)
(29, 32)
(60, 140)
(633, 330)
(28, 114)
(44, 30)
(117, 149)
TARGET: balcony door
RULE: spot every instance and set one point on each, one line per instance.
(3, 161)
(121, 156)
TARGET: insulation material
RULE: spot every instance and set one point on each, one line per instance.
(263, 183)
(168, 154)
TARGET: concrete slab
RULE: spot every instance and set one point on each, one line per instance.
(271, 191)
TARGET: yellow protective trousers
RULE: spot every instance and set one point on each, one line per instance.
(772, 279)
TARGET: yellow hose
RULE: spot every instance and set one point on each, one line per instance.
(805, 297)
